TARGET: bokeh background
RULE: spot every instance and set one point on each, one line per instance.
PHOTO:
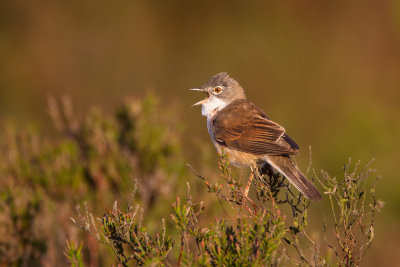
(328, 71)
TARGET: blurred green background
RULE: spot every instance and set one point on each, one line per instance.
(328, 71)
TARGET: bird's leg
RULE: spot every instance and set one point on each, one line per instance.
(247, 188)
(246, 192)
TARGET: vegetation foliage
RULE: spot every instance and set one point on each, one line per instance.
(135, 157)
(93, 158)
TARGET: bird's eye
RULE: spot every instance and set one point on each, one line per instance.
(217, 90)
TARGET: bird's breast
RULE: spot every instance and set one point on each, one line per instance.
(210, 132)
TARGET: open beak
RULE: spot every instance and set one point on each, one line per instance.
(202, 101)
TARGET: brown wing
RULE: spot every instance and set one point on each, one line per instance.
(243, 126)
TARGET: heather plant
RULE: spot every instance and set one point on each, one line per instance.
(74, 253)
(124, 233)
(271, 230)
(354, 207)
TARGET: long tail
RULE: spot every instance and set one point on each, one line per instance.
(286, 166)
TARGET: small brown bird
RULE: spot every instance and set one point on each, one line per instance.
(247, 135)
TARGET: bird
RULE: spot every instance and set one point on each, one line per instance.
(244, 132)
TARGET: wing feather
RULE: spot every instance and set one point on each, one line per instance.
(243, 126)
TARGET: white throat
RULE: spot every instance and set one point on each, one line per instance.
(212, 106)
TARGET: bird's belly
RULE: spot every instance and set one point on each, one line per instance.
(240, 159)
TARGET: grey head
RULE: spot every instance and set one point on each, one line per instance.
(221, 90)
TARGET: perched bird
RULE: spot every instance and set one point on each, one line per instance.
(247, 135)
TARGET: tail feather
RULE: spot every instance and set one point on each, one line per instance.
(286, 166)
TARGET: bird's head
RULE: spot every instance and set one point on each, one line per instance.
(221, 90)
